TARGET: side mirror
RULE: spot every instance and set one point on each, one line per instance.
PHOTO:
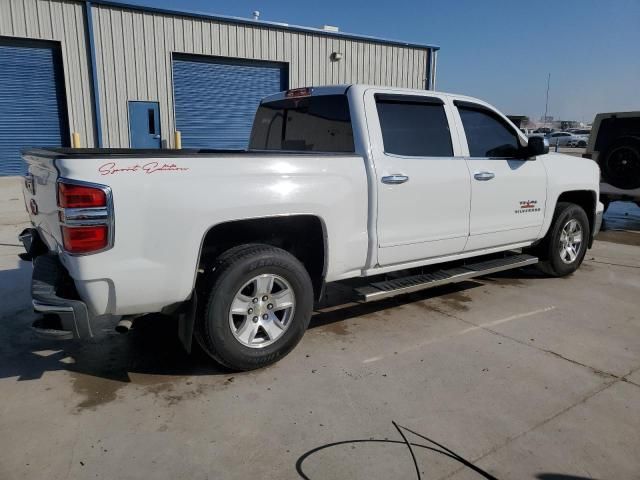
(537, 146)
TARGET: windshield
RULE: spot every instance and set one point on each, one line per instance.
(318, 124)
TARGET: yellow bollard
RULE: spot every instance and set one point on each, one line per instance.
(75, 140)
(177, 139)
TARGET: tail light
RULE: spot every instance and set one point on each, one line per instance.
(299, 92)
(85, 239)
(86, 216)
(80, 196)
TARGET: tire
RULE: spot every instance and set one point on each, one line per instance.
(241, 276)
(582, 144)
(558, 262)
(621, 164)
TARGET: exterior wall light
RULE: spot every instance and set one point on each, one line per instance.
(335, 56)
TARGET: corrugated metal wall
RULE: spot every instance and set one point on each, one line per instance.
(64, 22)
(134, 50)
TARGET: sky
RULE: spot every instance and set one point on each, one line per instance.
(497, 50)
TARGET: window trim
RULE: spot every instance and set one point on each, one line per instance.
(412, 99)
(492, 113)
(394, 97)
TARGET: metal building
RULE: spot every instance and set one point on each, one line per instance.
(129, 76)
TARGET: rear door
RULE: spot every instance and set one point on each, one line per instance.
(423, 188)
(508, 191)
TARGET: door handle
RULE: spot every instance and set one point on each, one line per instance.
(394, 179)
(484, 176)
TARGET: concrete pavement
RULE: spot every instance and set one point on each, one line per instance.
(520, 375)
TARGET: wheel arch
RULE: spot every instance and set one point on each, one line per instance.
(587, 199)
(303, 235)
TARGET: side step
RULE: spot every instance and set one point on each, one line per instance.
(413, 283)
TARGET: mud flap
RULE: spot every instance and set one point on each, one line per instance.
(186, 321)
(33, 244)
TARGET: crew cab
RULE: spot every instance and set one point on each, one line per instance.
(387, 190)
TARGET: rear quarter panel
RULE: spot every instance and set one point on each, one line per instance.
(163, 214)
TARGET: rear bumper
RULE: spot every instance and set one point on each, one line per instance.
(53, 293)
(50, 288)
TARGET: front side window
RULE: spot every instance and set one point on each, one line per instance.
(316, 124)
(414, 127)
(487, 134)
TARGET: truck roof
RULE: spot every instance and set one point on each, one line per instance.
(342, 89)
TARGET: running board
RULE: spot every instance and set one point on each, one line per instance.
(398, 286)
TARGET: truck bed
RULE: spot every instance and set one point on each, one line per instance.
(159, 217)
(55, 153)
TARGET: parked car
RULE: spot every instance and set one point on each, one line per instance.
(582, 137)
(579, 131)
(566, 139)
(384, 190)
(615, 146)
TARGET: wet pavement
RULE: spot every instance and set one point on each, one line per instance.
(517, 375)
(621, 224)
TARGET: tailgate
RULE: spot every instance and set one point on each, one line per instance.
(40, 196)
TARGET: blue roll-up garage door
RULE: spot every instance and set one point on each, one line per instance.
(32, 105)
(216, 99)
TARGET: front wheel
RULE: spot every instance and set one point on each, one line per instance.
(565, 245)
(258, 303)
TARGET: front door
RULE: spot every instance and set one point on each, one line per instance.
(423, 188)
(508, 192)
(144, 124)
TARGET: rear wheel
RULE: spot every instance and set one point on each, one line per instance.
(258, 303)
(565, 245)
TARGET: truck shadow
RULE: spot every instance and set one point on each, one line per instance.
(560, 476)
(338, 309)
(152, 347)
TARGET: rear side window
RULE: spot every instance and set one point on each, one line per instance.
(316, 124)
(414, 127)
(487, 134)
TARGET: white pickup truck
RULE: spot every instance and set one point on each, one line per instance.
(389, 190)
